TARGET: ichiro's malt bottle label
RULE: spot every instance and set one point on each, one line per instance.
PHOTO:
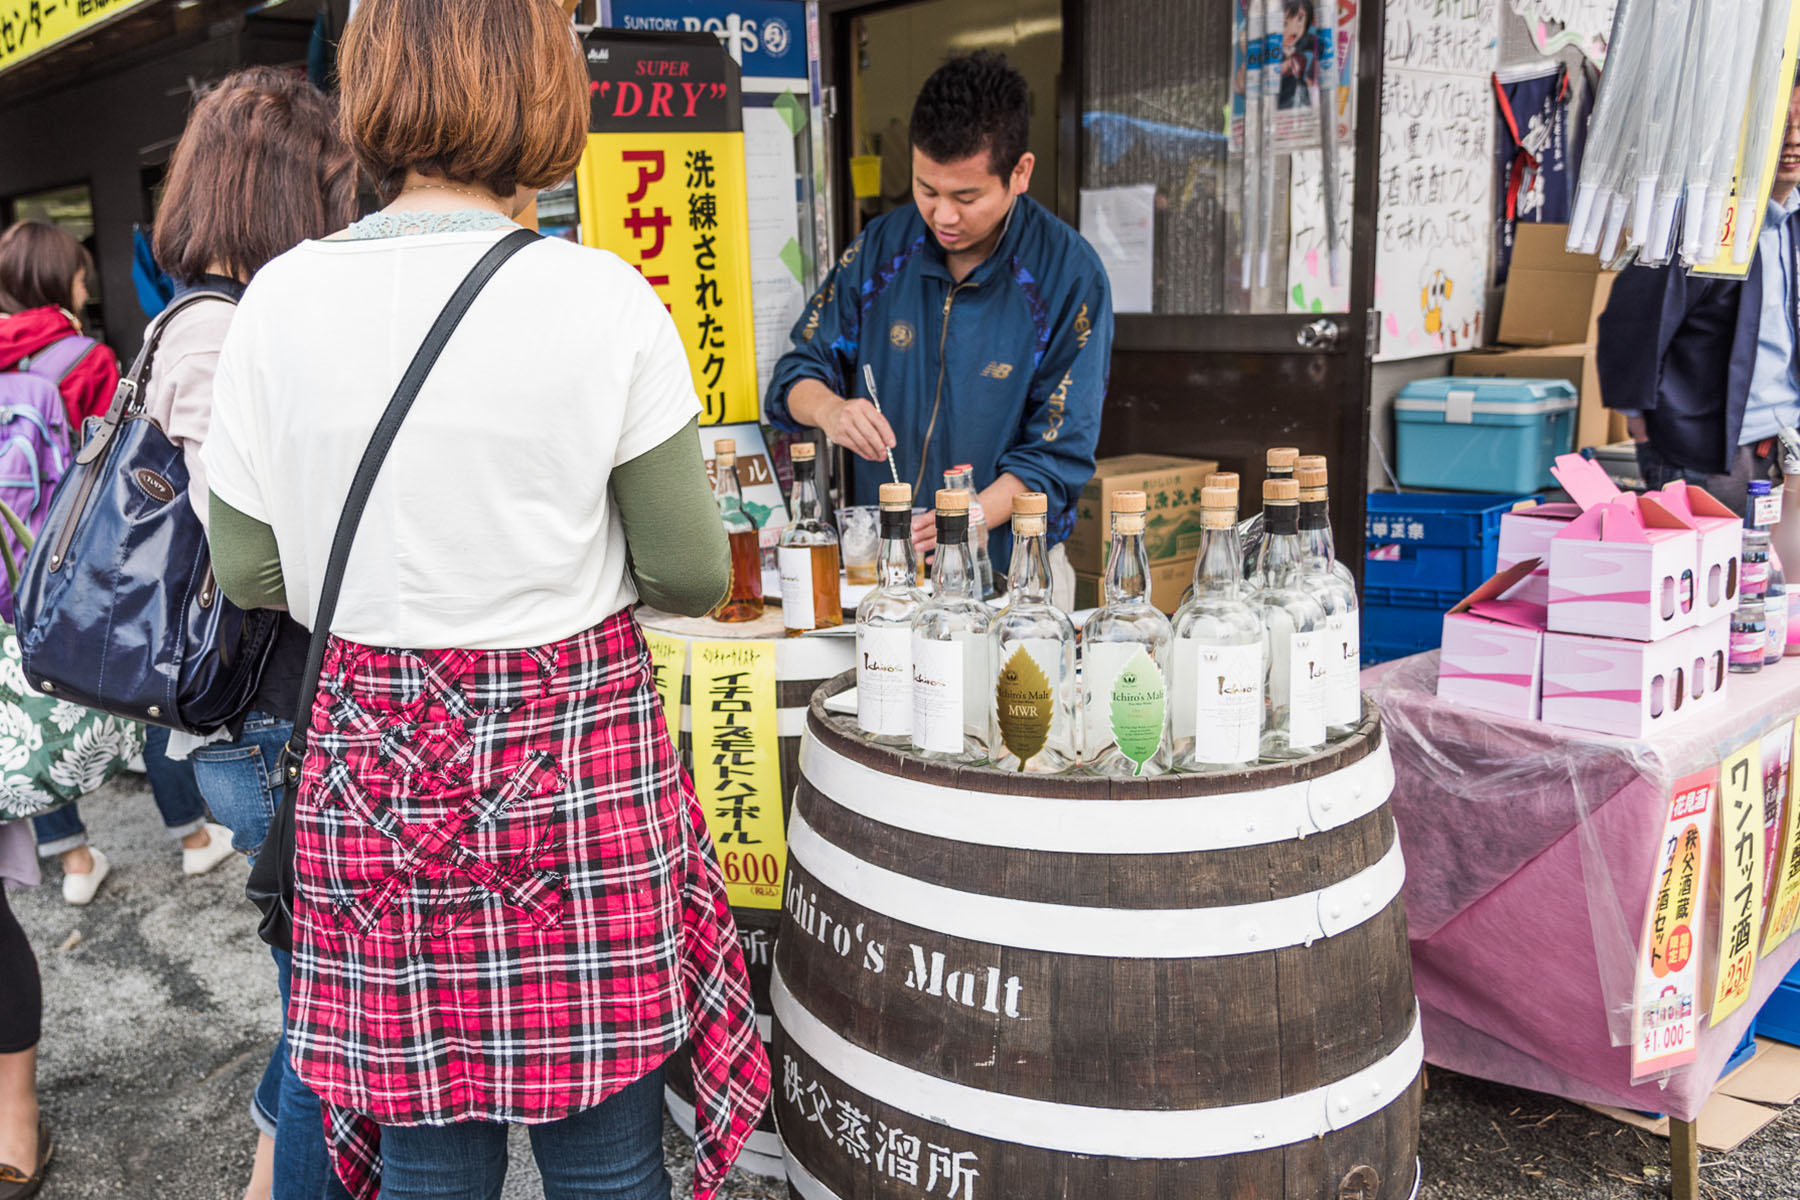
(1138, 708)
(1026, 703)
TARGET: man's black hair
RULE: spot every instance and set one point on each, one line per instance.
(970, 104)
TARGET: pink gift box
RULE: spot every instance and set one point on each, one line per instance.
(1493, 648)
(1526, 533)
(1633, 688)
(1623, 569)
(1721, 536)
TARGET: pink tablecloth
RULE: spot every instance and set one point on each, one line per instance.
(1529, 853)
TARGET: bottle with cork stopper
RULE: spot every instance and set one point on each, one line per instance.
(1294, 688)
(1033, 644)
(962, 475)
(951, 678)
(1220, 651)
(884, 627)
(1281, 462)
(808, 555)
(744, 598)
(1125, 648)
(1336, 594)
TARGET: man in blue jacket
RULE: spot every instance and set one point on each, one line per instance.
(987, 321)
(1703, 369)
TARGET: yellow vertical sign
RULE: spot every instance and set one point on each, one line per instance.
(737, 765)
(1740, 876)
(673, 206)
(668, 661)
(1785, 902)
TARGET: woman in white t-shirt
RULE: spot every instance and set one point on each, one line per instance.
(507, 908)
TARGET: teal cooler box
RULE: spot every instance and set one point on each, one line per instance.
(1478, 434)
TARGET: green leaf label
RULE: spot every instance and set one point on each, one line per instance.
(1025, 702)
(1139, 698)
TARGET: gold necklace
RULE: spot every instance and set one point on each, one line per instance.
(489, 198)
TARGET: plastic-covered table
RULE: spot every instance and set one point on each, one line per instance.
(1530, 850)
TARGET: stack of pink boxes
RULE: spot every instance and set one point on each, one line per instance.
(1612, 614)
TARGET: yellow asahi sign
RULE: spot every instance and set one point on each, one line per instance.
(737, 765)
(30, 27)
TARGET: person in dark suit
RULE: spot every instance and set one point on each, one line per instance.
(1703, 368)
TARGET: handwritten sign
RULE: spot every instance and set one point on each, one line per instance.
(1665, 1020)
(1558, 24)
(30, 27)
(1740, 877)
(1784, 903)
(737, 766)
(1452, 36)
(668, 662)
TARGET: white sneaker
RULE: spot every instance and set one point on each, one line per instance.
(80, 889)
(216, 851)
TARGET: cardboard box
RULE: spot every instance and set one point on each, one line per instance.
(1493, 649)
(1619, 569)
(1595, 425)
(1631, 689)
(1172, 528)
(1552, 297)
(1721, 534)
(1168, 580)
(1525, 533)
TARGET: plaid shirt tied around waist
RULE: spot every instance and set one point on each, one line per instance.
(507, 906)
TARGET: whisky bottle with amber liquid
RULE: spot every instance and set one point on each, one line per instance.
(744, 599)
(808, 555)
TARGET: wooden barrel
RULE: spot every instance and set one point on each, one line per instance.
(990, 984)
(801, 665)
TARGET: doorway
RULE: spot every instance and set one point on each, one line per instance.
(888, 50)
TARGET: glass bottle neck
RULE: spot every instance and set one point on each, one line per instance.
(1284, 554)
(895, 567)
(1029, 576)
(725, 486)
(1127, 569)
(953, 566)
(806, 492)
(1219, 569)
(1315, 534)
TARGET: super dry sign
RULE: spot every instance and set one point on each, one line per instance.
(662, 186)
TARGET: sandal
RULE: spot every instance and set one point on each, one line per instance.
(14, 1183)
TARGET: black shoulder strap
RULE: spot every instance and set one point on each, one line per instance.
(366, 471)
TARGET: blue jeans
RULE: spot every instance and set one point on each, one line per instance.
(612, 1151)
(171, 785)
(241, 787)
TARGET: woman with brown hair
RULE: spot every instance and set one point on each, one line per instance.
(507, 908)
(260, 168)
(46, 279)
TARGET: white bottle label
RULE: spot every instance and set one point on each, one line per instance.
(1343, 680)
(795, 565)
(1228, 702)
(937, 696)
(884, 681)
(1306, 689)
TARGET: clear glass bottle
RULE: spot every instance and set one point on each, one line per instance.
(1754, 575)
(1125, 657)
(1775, 610)
(1749, 635)
(1220, 651)
(884, 675)
(1336, 594)
(1229, 481)
(1281, 462)
(1033, 645)
(808, 556)
(952, 715)
(963, 476)
(744, 599)
(1294, 690)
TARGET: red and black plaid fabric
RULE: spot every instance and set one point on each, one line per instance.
(507, 905)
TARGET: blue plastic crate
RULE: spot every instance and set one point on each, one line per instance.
(1483, 434)
(1780, 1016)
(1396, 630)
(1448, 545)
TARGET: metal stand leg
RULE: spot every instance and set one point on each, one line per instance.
(1684, 1159)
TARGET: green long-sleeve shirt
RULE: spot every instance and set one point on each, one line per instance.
(679, 558)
